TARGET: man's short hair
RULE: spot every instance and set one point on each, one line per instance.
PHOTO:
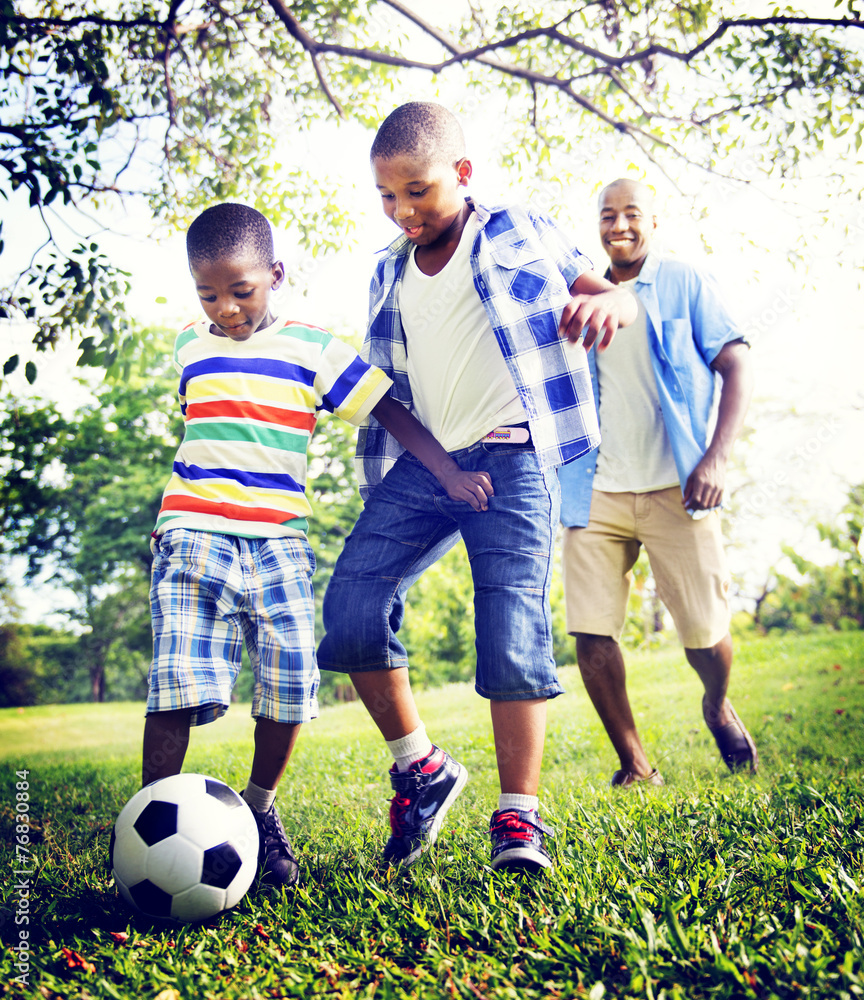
(640, 187)
(229, 230)
(423, 131)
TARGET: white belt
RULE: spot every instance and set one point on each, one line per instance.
(508, 435)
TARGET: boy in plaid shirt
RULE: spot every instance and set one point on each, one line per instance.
(481, 317)
(231, 561)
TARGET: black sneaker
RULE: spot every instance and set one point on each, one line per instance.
(276, 862)
(517, 840)
(424, 793)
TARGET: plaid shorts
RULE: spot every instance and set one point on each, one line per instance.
(210, 592)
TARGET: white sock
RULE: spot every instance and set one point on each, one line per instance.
(260, 799)
(510, 800)
(408, 749)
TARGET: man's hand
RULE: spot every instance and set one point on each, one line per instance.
(597, 309)
(705, 484)
(474, 488)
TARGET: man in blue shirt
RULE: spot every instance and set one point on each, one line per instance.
(656, 480)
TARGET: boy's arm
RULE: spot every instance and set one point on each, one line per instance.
(474, 488)
(598, 307)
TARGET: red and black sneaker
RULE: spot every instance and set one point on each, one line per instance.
(424, 793)
(517, 840)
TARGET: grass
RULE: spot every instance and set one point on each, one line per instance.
(714, 886)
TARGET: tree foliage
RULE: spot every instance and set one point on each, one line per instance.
(79, 497)
(196, 101)
(84, 491)
(831, 594)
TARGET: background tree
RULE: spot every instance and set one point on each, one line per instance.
(35, 661)
(86, 489)
(79, 496)
(185, 104)
(829, 594)
(17, 682)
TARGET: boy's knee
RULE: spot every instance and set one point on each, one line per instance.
(170, 720)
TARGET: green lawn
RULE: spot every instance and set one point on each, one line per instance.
(715, 886)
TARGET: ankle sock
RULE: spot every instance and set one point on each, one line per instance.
(510, 800)
(260, 799)
(411, 748)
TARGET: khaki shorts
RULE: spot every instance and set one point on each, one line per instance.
(686, 557)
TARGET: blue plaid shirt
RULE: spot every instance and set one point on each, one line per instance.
(523, 267)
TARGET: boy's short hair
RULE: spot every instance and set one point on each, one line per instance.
(421, 130)
(228, 230)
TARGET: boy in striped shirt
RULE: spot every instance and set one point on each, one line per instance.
(231, 559)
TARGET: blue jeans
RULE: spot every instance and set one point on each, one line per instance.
(408, 523)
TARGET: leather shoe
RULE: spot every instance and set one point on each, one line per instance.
(625, 779)
(736, 745)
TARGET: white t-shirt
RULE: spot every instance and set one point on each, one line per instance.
(460, 382)
(635, 454)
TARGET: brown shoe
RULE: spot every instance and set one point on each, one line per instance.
(625, 779)
(736, 745)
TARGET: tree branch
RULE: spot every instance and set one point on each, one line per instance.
(530, 76)
(608, 62)
(311, 46)
(461, 54)
(74, 22)
(747, 22)
(429, 29)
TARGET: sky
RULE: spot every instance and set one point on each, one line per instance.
(805, 443)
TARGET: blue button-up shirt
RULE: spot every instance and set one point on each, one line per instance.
(523, 268)
(688, 325)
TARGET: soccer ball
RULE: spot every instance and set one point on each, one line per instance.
(184, 848)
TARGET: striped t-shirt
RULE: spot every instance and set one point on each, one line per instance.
(250, 409)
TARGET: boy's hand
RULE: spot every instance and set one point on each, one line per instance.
(597, 308)
(471, 487)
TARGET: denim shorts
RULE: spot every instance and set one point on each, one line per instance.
(407, 524)
(209, 592)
